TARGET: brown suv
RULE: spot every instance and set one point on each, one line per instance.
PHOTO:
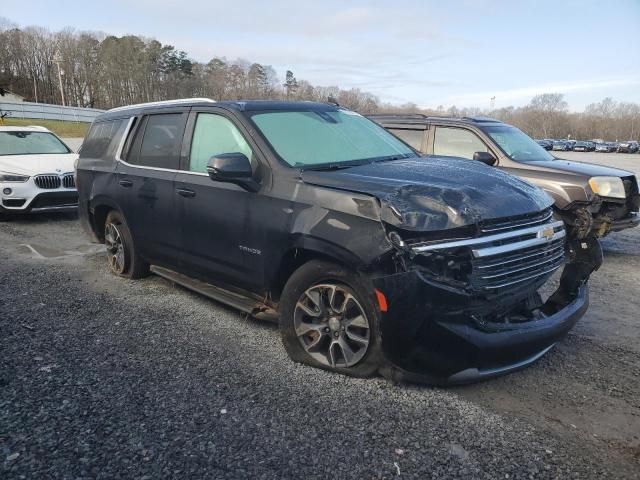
(593, 200)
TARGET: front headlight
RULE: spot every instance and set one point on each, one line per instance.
(607, 186)
(13, 177)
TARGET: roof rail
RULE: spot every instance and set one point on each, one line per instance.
(420, 116)
(481, 118)
(179, 101)
(403, 115)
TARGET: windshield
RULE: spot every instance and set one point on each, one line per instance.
(30, 143)
(517, 145)
(322, 138)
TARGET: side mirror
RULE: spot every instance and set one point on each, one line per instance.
(485, 157)
(232, 168)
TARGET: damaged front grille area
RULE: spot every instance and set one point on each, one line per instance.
(496, 261)
(494, 226)
(505, 270)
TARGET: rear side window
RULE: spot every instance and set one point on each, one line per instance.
(457, 142)
(161, 142)
(411, 137)
(215, 135)
(100, 137)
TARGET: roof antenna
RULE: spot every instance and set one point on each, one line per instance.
(331, 99)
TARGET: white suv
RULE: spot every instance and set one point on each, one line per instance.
(36, 171)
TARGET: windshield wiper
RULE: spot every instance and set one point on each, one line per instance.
(335, 165)
(332, 166)
(349, 164)
(390, 158)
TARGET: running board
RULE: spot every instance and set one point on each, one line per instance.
(244, 303)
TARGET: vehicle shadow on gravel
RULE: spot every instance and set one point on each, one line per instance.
(35, 219)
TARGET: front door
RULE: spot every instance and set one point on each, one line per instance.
(457, 142)
(217, 217)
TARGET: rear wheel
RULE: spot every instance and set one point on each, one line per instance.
(328, 319)
(121, 253)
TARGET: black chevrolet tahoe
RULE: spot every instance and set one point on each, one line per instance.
(371, 258)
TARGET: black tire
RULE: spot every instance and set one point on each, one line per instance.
(128, 264)
(318, 275)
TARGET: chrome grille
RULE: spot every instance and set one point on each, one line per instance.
(512, 256)
(68, 181)
(490, 273)
(539, 218)
(630, 187)
(47, 182)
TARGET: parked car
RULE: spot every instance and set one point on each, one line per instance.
(591, 199)
(581, 147)
(561, 145)
(36, 171)
(602, 147)
(612, 147)
(630, 146)
(546, 144)
(372, 258)
(591, 145)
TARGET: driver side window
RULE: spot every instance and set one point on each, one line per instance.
(214, 135)
(457, 142)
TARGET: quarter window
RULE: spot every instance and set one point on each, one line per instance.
(410, 137)
(161, 143)
(457, 142)
(215, 135)
(100, 137)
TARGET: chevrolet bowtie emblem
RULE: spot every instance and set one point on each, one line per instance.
(547, 233)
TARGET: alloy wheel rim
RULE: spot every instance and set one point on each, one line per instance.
(115, 248)
(331, 325)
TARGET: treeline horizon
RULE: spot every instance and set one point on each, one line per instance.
(105, 71)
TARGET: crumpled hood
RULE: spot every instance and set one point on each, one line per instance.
(38, 164)
(434, 193)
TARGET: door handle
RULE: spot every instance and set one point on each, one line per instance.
(125, 183)
(185, 192)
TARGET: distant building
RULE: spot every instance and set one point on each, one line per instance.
(7, 96)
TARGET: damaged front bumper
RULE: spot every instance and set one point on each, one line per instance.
(630, 221)
(434, 335)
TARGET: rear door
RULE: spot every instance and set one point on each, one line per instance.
(219, 231)
(147, 174)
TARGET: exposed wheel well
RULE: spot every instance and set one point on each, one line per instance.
(99, 219)
(293, 260)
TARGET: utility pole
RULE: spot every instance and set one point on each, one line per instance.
(57, 61)
(35, 88)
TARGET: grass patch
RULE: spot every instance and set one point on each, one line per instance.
(60, 128)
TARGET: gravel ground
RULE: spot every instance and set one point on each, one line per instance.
(102, 377)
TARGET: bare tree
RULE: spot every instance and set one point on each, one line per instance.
(105, 71)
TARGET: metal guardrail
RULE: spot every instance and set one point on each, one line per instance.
(44, 111)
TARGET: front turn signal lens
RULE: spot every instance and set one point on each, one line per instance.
(382, 300)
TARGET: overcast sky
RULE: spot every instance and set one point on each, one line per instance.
(427, 52)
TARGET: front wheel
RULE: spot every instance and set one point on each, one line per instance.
(328, 319)
(122, 256)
